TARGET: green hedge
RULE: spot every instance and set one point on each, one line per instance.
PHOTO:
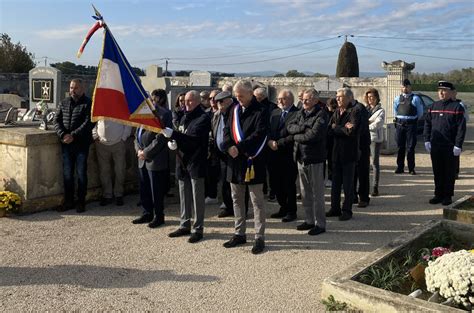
(434, 87)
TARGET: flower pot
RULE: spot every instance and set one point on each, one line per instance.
(418, 274)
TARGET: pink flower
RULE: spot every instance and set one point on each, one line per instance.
(439, 251)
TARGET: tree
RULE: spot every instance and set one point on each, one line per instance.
(295, 73)
(320, 75)
(279, 75)
(14, 58)
(348, 62)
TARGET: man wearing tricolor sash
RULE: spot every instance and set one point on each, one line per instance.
(245, 136)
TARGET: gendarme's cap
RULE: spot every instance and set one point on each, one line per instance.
(406, 82)
(445, 85)
(222, 95)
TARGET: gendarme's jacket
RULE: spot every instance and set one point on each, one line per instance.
(254, 124)
(75, 118)
(445, 124)
(192, 138)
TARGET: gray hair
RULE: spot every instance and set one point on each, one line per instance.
(227, 87)
(261, 92)
(243, 85)
(346, 92)
(290, 94)
(313, 92)
(195, 94)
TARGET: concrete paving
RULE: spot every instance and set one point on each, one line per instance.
(99, 261)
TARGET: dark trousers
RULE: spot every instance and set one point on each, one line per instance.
(406, 142)
(153, 188)
(283, 173)
(74, 161)
(444, 170)
(227, 193)
(362, 175)
(329, 148)
(342, 174)
(212, 179)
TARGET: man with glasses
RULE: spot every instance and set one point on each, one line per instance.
(282, 166)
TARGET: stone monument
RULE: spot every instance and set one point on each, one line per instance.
(45, 85)
(200, 79)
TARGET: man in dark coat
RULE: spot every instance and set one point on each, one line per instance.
(153, 155)
(282, 166)
(74, 129)
(245, 137)
(191, 140)
(309, 130)
(444, 132)
(345, 129)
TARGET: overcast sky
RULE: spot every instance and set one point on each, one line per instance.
(250, 35)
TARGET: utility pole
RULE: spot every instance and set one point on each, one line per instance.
(166, 67)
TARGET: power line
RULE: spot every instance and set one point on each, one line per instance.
(417, 55)
(413, 38)
(252, 62)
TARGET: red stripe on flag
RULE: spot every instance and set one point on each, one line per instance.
(115, 104)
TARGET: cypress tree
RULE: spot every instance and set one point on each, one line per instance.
(347, 63)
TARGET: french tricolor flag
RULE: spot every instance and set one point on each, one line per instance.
(119, 94)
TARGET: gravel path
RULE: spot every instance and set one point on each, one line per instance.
(99, 261)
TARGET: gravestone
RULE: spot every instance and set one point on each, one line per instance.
(45, 85)
(200, 79)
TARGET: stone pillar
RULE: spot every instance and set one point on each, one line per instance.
(397, 72)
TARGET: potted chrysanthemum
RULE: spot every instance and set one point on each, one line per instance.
(10, 202)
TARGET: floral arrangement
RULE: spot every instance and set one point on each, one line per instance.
(453, 275)
(435, 253)
(9, 201)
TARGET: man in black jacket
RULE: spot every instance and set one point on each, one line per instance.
(444, 132)
(309, 130)
(345, 129)
(281, 165)
(74, 129)
(245, 137)
(191, 139)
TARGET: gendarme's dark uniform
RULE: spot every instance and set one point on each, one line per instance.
(445, 127)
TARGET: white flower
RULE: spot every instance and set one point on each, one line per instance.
(453, 275)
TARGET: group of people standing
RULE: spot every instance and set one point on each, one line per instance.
(238, 137)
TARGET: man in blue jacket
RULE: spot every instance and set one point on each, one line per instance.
(444, 132)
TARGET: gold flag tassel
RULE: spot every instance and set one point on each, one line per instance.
(250, 173)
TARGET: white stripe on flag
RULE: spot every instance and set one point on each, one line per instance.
(110, 77)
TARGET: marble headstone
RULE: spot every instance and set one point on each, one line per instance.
(45, 84)
(200, 79)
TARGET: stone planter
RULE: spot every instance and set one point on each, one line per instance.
(461, 210)
(345, 287)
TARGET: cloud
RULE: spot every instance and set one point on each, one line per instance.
(188, 6)
(64, 33)
(250, 13)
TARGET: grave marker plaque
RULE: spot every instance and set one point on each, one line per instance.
(200, 79)
(45, 84)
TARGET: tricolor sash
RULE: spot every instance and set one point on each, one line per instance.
(238, 136)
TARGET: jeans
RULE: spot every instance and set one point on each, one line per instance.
(75, 161)
(375, 160)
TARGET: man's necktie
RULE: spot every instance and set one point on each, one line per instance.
(282, 119)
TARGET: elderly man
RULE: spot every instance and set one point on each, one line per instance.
(407, 110)
(205, 103)
(309, 130)
(191, 139)
(444, 132)
(344, 126)
(245, 136)
(282, 167)
(74, 128)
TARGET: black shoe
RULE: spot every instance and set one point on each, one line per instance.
(399, 171)
(80, 208)
(304, 226)
(104, 201)
(435, 200)
(179, 233)
(316, 231)
(235, 241)
(362, 204)
(65, 207)
(332, 213)
(146, 218)
(195, 237)
(447, 201)
(375, 193)
(156, 222)
(258, 246)
(412, 172)
(119, 201)
(345, 216)
(290, 217)
(278, 214)
(355, 200)
(271, 198)
(225, 213)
